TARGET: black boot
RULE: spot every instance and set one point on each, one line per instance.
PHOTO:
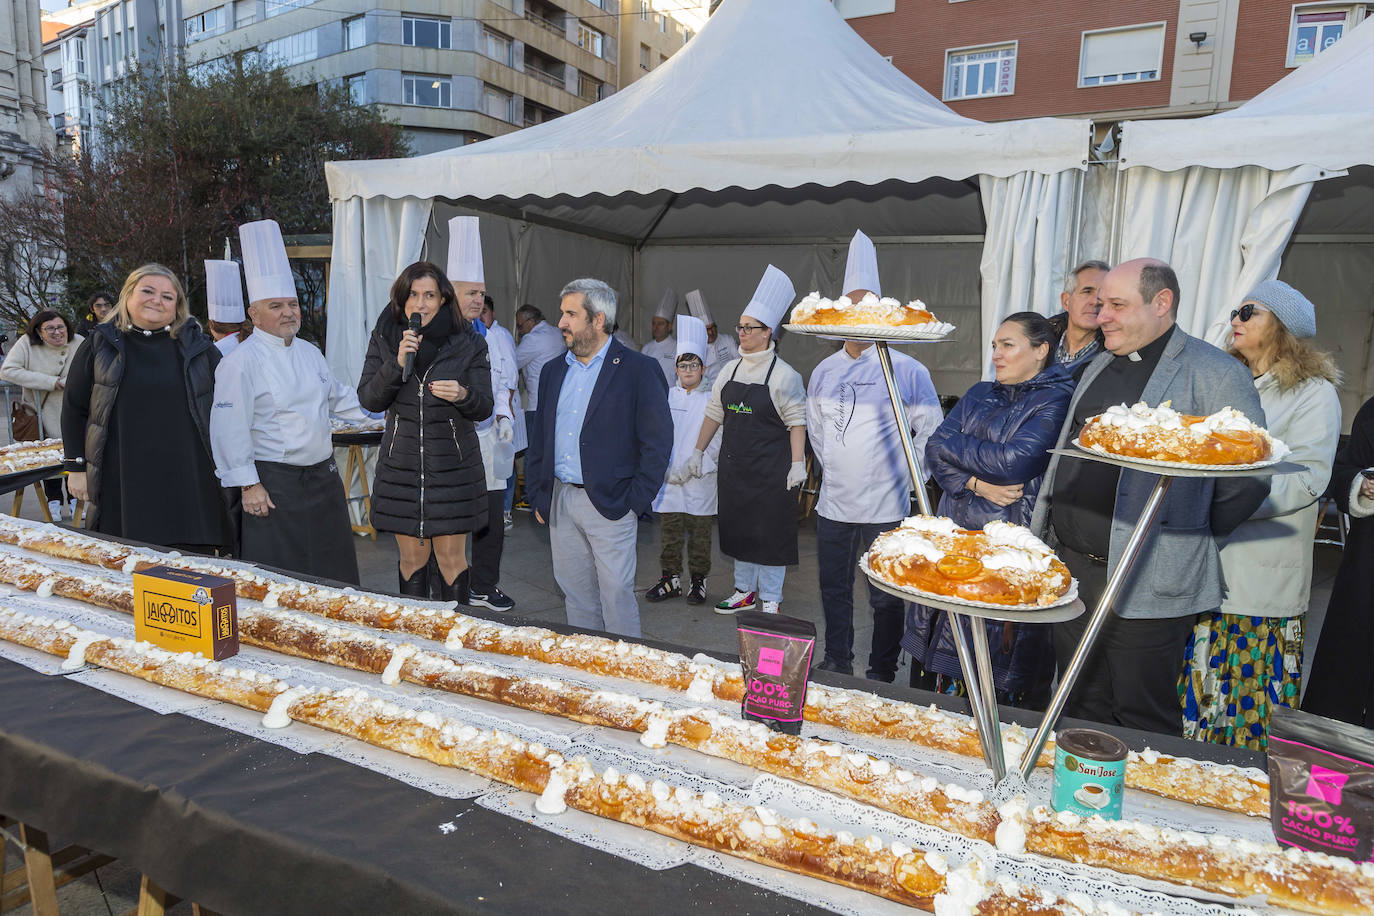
(417, 586)
(457, 590)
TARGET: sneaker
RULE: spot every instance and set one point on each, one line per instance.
(697, 593)
(739, 601)
(493, 598)
(667, 587)
(522, 504)
(835, 665)
(510, 522)
(68, 511)
(771, 607)
(55, 509)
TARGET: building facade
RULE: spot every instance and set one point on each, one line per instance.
(24, 129)
(651, 31)
(1109, 61)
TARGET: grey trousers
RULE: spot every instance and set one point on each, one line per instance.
(594, 562)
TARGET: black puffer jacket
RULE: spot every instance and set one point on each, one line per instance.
(430, 480)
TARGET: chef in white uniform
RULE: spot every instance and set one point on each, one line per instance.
(720, 348)
(539, 343)
(663, 347)
(498, 336)
(224, 302)
(496, 434)
(687, 505)
(269, 426)
(865, 483)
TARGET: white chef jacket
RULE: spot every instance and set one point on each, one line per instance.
(696, 496)
(543, 343)
(717, 355)
(273, 403)
(854, 435)
(665, 351)
(624, 337)
(227, 345)
(504, 379)
(508, 355)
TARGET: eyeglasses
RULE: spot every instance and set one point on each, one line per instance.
(53, 328)
(1246, 311)
(746, 328)
(689, 364)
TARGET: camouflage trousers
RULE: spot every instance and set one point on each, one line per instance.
(693, 530)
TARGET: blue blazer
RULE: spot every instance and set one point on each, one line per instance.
(627, 435)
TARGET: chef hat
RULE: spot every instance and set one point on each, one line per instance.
(265, 265)
(465, 251)
(224, 292)
(691, 337)
(861, 269)
(772, 298)
(667, 306)
(696, 304)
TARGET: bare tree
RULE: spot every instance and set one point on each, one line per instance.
(32, 255)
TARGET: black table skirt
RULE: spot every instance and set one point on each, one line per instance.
(243, 826)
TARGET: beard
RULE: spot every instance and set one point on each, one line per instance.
(582, 343)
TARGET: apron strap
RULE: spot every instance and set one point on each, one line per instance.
(769, 374)
(735, 371)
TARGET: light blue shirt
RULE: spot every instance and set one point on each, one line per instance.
(573, 399)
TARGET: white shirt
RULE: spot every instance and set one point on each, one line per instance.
(856, 439)
(227, 345)
(273, 403)
(696, 496)
(505, 376)
(543, 343)
(665, 351)
(511, 367)
(624, 337)
(717, 355)
(785, 386)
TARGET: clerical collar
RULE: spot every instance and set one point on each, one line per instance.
(1152, 350)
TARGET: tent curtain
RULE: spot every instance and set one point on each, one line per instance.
(1030, 219)
(1222, 230)
(373, 240)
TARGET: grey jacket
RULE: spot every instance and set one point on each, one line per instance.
(1178, 572)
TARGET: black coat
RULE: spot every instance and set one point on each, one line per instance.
(1341, 682)
(430, 480)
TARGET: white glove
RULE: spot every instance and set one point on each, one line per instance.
(675, 476)
(691, 468)
(796, 474)
(505, 430)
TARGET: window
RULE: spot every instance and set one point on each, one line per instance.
(590, 39)
(277, 7)
(686, 35)
(357, 88)
(427, 91)
(1128, 55)
(355, 33)
(972, 73)
(644, 13)
(292, 49)
(426, 33)
(208, 23)
(644, 57)
(496, 102)
(496, 46)
(74, 55)
(1315, 28)
(663, 24)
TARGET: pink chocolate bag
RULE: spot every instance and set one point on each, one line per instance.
(1321, 784)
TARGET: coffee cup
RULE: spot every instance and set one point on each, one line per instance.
(1092, 795)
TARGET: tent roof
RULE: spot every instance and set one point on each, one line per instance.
(770, 92)
(1317, 115)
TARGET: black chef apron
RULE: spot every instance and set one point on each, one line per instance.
(309, 531)
(758, 513)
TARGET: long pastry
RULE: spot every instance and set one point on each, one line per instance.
(1244, 791)
(891, 870)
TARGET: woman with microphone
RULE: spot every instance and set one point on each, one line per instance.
(428, 370)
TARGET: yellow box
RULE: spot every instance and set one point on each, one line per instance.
(183, 611)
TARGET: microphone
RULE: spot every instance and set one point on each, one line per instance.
(405, 366)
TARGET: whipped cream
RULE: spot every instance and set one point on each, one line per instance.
(870, 308)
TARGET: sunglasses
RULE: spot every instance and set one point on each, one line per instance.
(1246, 311)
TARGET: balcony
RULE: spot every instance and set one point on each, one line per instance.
(545, 77)
(549, 24)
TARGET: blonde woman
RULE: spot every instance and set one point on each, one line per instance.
(1247, 657)
(136, 420)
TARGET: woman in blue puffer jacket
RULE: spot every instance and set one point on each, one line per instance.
(989, 456)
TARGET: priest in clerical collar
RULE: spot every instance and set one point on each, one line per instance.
(270, 430)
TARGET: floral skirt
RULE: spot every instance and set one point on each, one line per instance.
(1235, 669)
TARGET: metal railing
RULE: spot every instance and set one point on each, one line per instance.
(546, 23)
(545, 77)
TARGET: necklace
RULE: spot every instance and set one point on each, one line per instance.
(152, 332)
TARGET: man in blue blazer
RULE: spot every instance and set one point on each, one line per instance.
(597, 456)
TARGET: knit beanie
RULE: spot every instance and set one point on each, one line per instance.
(1295, 310)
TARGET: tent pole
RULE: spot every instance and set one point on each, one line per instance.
(1079, 183)
(668, 205)
(1115, 239)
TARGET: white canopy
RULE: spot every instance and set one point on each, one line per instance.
(773, 135)
(1318, 115)
(1220, 199)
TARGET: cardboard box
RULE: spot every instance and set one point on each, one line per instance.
(184, 611)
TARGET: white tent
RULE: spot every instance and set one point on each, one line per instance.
(1279, 185)
(769, 138)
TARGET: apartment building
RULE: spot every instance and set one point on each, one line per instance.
(651, 31)
(1110, 61)
(24, 131)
